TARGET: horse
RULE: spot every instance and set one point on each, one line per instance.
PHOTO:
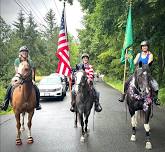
(83, 101)
(139, 97)
(23, 99)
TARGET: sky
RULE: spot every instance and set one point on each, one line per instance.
(9, 10)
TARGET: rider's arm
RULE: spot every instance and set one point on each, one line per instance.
(150, 58)
(136, 58)
(33, 69)
(16, 64)
(16, 69)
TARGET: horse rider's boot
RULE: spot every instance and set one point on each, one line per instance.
(98, 107)
(38, 106)
(121, 99)
(72, 108)
(156, 100)
(5, 105)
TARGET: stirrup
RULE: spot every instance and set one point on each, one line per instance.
(72, 109)
(38, 107)
(98, 108)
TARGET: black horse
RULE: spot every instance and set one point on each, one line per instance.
(84, 101)
(139, 97)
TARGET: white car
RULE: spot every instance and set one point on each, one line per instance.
(52, 87)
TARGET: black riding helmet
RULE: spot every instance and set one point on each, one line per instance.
(23, 48)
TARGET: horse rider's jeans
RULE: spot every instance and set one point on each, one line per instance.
(8, 95)
(96, 94)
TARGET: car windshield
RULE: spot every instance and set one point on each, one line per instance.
(51, 80)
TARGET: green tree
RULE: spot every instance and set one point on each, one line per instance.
(31, 35)
(20, 27)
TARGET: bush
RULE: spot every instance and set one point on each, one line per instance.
(2, 93)
(162, 96)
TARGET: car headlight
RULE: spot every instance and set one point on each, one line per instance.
(58, 89)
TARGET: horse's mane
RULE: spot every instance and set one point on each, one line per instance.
(139, 70)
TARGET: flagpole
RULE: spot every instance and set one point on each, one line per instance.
(125, 68)
(70, 79)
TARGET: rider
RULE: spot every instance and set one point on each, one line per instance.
(90, 74)
(23, 56)
(146, 57)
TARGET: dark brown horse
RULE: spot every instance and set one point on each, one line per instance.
(24, 99)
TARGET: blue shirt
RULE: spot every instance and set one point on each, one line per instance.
(143, 60)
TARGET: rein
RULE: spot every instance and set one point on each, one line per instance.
(25, 79)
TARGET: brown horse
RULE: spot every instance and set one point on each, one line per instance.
(24, 99)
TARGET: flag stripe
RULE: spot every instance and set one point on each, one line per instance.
(63, 51)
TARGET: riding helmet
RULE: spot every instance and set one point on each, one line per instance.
(144, 43)
(23, 48)
(85, 55)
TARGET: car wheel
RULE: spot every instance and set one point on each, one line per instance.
(61, 97)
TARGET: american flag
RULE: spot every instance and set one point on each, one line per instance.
(63, 51)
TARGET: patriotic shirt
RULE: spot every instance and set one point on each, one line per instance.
(89, 71)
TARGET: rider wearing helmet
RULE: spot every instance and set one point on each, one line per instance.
(145, 57)
(90, 75)
(23, 56)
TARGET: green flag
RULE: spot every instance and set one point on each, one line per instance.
(128, 42)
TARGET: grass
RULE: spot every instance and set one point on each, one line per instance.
(117, 84)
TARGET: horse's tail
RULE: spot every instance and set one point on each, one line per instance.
(140, 116)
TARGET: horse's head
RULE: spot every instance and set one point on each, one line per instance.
(24, 70)
(142, 78)
(80, 80)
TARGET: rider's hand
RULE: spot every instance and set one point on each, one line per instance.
(33, 82)
(126, 56)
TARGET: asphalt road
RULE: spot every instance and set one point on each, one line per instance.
(53, 129)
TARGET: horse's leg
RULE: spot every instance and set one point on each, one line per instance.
(18, 125)
(147, 129)
(75, 123)
(82, 139)
(22, 123)
(86, 125)
(29, 124)
(133, 123)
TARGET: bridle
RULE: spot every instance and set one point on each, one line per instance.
(81, 84)
(25, 78)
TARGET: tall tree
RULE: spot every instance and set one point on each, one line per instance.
(31, 35)
(51, 23)
(20, 27)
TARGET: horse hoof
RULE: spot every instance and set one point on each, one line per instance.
(30, 140)
(148, 145)
(86, 134)
(82, 139)
(18, 142)
(133, 138)
(75, 126)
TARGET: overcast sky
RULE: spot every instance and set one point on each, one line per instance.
(9, 11)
